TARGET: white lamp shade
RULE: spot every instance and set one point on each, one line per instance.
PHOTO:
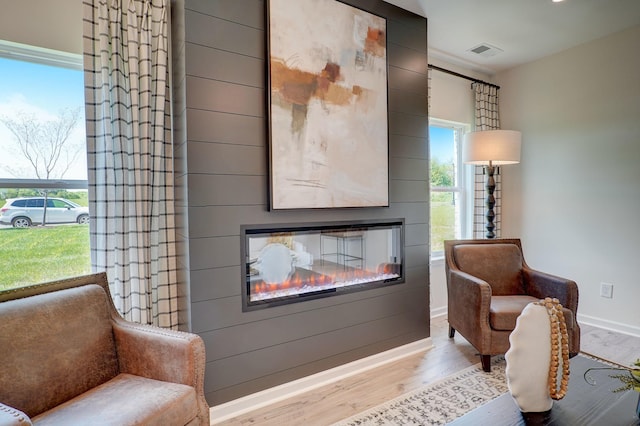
(495, 146)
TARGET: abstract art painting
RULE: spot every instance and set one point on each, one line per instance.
(327, 105)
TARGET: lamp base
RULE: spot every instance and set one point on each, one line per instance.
(490, 202)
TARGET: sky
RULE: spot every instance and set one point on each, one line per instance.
(43, 91)
(441, 141)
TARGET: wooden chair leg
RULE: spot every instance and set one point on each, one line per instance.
(452, 332)
(486, 363)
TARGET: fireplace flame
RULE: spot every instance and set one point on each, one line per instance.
(306, 281)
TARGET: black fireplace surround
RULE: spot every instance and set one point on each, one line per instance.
(284, 264)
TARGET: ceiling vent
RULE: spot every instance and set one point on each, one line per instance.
(486, 50)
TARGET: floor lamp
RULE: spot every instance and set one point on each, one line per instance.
(491, 148)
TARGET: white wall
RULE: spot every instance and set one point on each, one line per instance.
(575, 198)
(452, 100)
(52, 24)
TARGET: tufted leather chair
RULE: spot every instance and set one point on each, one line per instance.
(69, 358)
(488, 286)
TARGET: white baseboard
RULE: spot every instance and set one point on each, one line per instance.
(223, 412)
(438, 312)
(609, 325)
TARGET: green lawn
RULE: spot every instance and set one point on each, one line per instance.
(442, 220)
(39, 254)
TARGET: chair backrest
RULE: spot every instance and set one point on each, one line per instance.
(54, 345)
(498, 264)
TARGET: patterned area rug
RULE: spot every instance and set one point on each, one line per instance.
(440, 402)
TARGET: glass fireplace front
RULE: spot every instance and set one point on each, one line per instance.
(286, 264)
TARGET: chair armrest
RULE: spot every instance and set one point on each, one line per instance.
(469, 300)
(540, 284)
(10, 416)
(160, 354)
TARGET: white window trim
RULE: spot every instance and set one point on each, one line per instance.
(40, 55)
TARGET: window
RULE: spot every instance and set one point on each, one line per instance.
(449, 216)
(57, 203)
(43, 145)
(38, 202)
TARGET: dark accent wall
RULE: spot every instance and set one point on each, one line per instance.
(219, 52)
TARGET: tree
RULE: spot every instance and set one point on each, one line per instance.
(441, 173)
(45, 144)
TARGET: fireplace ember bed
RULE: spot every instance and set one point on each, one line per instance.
(284, 264)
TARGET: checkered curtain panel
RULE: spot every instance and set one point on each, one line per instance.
(429, 91)
(129, 152)
(486, 118)
(429, 145)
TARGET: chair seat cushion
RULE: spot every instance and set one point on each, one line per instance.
(126, 400)
(505, 310)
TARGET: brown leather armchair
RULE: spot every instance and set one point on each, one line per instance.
(488, 286)
(69, 358)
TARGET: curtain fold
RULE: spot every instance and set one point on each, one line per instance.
(429, 92)
(129, 153)
(487, 117)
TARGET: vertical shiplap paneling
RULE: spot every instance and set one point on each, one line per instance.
(226, 186)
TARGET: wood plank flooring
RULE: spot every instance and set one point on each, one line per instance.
(352, 395)
(617, 347)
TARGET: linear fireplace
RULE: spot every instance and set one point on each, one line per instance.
(291, 263)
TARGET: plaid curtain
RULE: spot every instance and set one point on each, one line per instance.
(429, 91)
(129, 152)
(486, 118)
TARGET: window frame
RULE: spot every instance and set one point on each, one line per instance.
(463, 184)
(40, 55)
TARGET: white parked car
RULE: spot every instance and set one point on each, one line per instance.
(23, 212)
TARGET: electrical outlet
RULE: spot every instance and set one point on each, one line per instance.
(606, 290)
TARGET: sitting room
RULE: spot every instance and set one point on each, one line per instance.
(289, 190)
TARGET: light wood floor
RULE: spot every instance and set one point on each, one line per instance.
(350, 396)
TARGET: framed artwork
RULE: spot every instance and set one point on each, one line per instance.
(328, 105)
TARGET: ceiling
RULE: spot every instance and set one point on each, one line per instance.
(524, 30)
